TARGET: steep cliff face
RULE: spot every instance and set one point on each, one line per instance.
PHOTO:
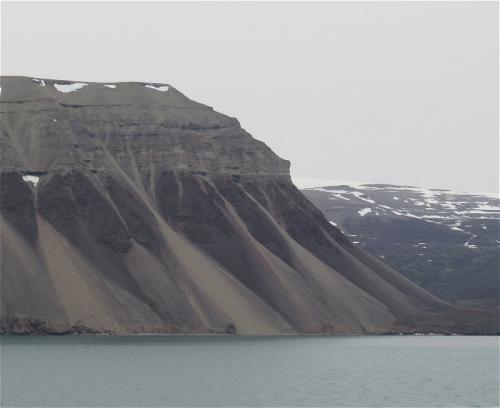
(129, 208)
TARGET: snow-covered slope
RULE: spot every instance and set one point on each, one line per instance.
(446, 241)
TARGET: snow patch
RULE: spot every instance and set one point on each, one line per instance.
(468, 244)
(435, 216)
(414, 216)
(487, 207)
(163, 88)
(475, 212)
(325, 190)
(429, 201)
(334, 191)
(358, 194)
(66, 88)
(396, 212)
(31, 179)
(110, 86)
(456, 226)
(417, 202)
(449, 205)
(364, 211)
(340, 196)
(41, 82)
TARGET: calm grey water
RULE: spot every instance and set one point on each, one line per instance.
(157, 371)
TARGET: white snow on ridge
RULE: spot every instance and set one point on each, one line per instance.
(341, 193)
(39, 81)
(66, 88)
(416, 202)
(435, 216)
(358, 195)
(364, 211)
(407, 214)
(486, 207)
(110, 86)
(158, 88)
(430, 193)
(471, 212)
(325, 190)
(449, 205)
(305, 182)
(31, 179)
(340, 196)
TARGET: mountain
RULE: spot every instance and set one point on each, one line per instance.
(129, 208)
(445, 241)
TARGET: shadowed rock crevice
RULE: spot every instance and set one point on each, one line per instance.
(74, 207)
(17, 204)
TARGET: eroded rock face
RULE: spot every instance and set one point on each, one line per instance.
(132, 209)
(131, 128)
(17, 204)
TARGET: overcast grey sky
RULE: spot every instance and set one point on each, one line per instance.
(403, 93)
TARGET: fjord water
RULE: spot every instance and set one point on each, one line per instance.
(152, 371)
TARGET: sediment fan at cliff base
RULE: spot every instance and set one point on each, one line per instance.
(129, 208)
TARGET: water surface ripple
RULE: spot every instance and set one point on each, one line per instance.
(156, 371)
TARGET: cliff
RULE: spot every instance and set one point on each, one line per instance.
(129, 208)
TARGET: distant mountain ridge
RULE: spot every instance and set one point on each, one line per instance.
(310, 182)
(446, 241)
